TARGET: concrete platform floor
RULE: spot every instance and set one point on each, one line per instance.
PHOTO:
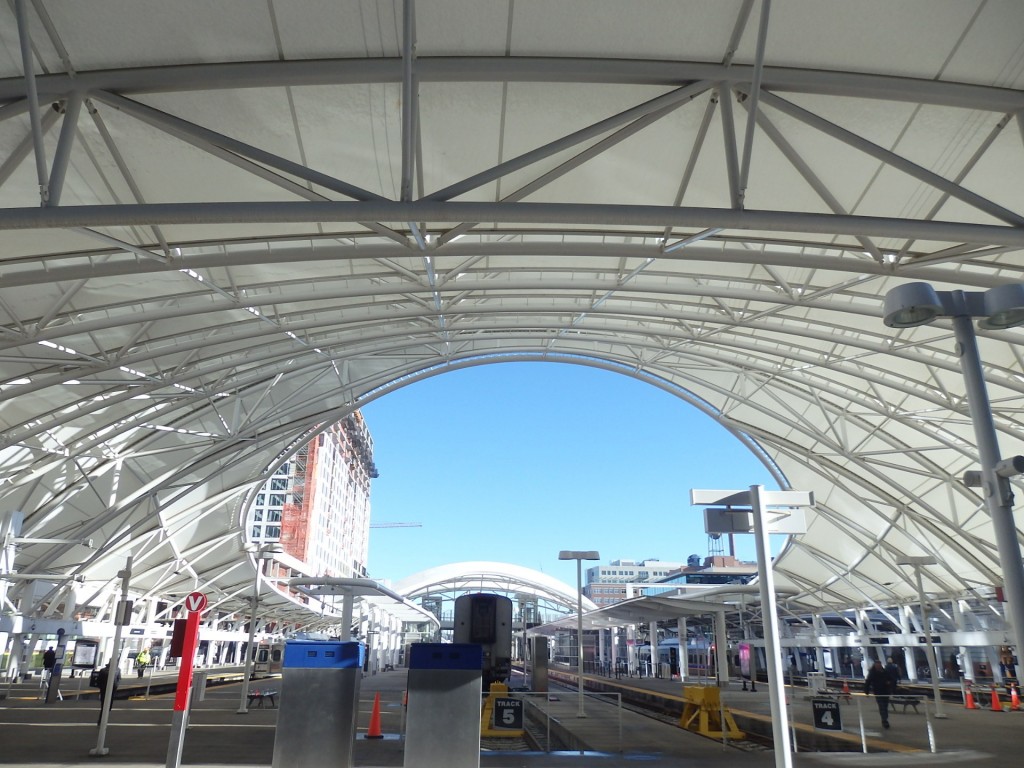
(37, 735)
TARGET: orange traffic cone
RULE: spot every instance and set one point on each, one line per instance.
(374, 731)
(1014, 699)
(846, 688)
(970, 700)
(997, 706)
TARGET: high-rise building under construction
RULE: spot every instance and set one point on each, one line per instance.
(317, 504)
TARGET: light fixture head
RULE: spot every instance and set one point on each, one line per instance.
(574, 554)
(973, 478)
(1011, 466)
(1004, 307)
(911, 304)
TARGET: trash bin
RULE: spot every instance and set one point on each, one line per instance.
(316, 720)
(817, 683)
(443, 717)
(199, 684)
(539, 663)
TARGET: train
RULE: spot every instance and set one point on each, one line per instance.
(268, 658)
(486, 619)
(700, 657)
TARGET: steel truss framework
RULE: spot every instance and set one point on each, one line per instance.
(211, 242)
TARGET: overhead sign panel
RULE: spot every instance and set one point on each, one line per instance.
(703, 497)
(718, 520)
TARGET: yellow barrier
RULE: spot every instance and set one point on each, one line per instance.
(704, 713)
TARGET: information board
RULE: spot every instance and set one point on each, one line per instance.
(84, 656)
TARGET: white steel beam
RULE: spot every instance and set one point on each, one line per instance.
(619, 71)
(603, 215)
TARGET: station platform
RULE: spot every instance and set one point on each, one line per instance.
(979, 737)
(37, 735)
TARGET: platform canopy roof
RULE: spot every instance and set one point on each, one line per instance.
(224, 223)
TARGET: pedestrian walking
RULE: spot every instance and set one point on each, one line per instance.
(142, 661)
(49, 662)
(104, 678)
(893, 670)
(880, 684)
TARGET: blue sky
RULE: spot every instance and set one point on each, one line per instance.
(515, 461)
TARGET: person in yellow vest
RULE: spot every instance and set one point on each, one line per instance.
(142, 661)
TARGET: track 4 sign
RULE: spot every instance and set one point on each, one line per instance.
(826, 715)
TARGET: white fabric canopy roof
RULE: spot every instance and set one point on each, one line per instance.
(258, 217)
(488, 576)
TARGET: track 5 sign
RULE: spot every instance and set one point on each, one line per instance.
(508, 714)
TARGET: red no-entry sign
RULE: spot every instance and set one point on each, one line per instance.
(195, 602)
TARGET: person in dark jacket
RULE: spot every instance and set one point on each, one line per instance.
(894, 674)
(102, 679)
(881, 685)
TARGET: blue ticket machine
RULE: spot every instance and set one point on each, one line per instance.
(316, 724)
(443, 718)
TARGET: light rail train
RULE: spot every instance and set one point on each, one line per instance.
(486, 619)
(700, 657)
(268, 658)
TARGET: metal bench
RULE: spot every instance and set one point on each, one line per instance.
(906, 701)
(262, 696)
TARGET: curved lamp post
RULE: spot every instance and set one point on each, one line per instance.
(579, 556)
(998, 308)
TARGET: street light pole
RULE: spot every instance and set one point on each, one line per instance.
(998, 493)
(999, 308)
(579, 635)
(264, 552)
(113, 665)
(243, 703)
(579, 557)
(916, 563)
(770, 621)
(753, 517)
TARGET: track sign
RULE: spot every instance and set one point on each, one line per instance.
(508, 714)
(195, 602)
(826, 715)
(178, 638)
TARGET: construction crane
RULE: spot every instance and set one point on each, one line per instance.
(396, 525)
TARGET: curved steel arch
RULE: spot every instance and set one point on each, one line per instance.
(486, 576)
